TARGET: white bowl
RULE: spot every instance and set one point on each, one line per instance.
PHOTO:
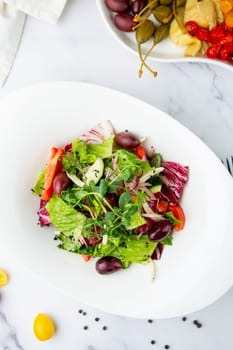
(191, 274)
(164, 52)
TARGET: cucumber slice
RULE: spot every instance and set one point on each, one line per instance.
(95, 172)
(156, 188)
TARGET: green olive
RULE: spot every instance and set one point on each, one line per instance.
(180, 3)
(165, 2)
(161, 33)
(162, 13)
(145, 31)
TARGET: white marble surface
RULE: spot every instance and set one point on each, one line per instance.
(79, 48)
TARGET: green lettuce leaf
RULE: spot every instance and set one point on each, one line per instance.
(102, 150)
(167, 240)
(127, 160)
(136, 220)
(67, 243)
(38, 188)
(85, 157)
(65, 218)
(126, 248)
(135, 250)
(70, 163)
(172, 218)
(156, 160)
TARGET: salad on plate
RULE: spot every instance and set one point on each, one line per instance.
(110, 197)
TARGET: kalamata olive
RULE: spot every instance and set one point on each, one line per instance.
(160, 230)
(108, 265)
(137, 6)
(146, 227)
(127, 140)
(60, 182)
(124, 22)
(117, 5)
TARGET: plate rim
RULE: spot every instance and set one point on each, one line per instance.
(64, 83)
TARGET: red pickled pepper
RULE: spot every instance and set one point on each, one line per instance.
(213, 50)
(225, 52)
(202, 34)
(217, 34)
(220, 39)
(191, 27)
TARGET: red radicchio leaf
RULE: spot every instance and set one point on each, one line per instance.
(174, 176)
(157, 252)
(99, 133)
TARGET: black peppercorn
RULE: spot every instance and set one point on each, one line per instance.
(197, 323)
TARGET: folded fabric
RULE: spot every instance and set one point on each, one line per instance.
(45, 10)
(11, 28)
(12, 19)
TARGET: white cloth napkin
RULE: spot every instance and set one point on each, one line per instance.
(12, 19)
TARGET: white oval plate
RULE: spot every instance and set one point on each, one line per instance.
(192, 273)
(164, 52)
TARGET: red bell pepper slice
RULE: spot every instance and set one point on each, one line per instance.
(162, 206)
(179, 215)
(53, 167)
